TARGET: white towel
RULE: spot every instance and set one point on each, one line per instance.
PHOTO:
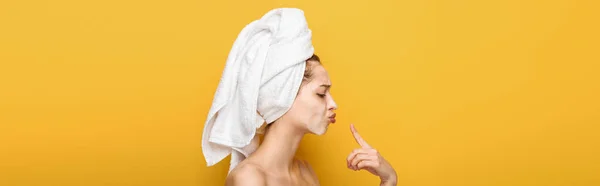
(262, 75)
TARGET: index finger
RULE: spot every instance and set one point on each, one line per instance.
(357, 137)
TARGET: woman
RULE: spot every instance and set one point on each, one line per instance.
(272, 76)
(312, 112)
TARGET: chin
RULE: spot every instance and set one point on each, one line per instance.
(320, 130)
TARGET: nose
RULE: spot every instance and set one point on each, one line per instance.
(333, 106)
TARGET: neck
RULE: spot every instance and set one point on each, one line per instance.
(279, 146)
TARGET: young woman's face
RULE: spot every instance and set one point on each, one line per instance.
(313, 109)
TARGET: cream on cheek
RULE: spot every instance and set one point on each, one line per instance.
(307, 107)
(318, 110)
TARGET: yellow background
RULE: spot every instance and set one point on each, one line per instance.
(460, 92)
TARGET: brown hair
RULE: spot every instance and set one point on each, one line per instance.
(309, 64)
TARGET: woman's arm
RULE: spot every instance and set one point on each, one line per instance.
(392, 181)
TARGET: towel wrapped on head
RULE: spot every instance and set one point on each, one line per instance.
(260, 81)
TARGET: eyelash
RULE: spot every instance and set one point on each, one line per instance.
(321, 95)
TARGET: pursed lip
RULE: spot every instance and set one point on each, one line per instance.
(332, 118)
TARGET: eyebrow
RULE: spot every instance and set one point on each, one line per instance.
(326, 86)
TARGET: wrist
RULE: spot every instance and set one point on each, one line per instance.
(391, 180)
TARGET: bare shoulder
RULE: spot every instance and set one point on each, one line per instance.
(306, 171)
(246, 175)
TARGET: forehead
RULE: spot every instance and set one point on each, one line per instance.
(320, 75)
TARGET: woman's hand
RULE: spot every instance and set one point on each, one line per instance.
(367, 158)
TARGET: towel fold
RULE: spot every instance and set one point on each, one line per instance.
(260, 81)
